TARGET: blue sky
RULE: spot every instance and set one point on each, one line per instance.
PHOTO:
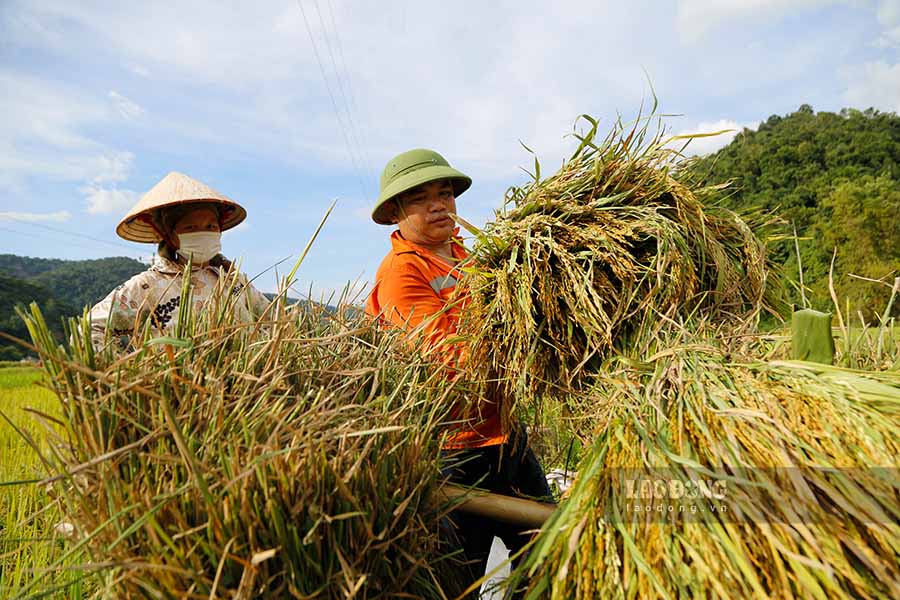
(287, 105)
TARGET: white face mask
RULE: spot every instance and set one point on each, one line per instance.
(203, 245)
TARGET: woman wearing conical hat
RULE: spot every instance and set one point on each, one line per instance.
(185, 218)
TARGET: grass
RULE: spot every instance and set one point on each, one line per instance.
(29, 541)
(866, 347)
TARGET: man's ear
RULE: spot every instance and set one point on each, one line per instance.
(393, 212)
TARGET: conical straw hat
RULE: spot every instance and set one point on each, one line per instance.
(140, 224)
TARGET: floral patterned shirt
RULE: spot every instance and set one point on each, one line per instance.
(156, 294)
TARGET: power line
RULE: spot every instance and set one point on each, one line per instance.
(331, 95)
(72, 233)
(353, 127)
(343, 94)
(67, 242)
(365, 128)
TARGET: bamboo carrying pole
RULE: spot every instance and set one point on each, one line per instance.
(516, 511)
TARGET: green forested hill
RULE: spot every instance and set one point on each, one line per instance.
(25, 267)
(80, 282)
(16, 292)
(836, 178)
(62, 288)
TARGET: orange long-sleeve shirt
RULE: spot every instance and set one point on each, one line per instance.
(413, 287)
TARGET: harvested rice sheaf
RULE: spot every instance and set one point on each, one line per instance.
(711, 477)
(579, 261)
(612, 291)
(294, 458)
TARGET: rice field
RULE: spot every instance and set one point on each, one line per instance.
(32, 546)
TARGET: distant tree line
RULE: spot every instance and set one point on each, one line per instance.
(835, 177)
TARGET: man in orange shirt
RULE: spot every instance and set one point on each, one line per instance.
(413, 288)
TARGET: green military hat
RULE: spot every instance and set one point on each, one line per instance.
(410, 169)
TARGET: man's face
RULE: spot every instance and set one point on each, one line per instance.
(422, 213)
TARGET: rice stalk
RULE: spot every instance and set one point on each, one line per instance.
(806, 459)
(296, 457)
(579, 263)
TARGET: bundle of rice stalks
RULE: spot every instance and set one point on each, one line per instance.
(576, 262)
(295, 457)
(712, 477)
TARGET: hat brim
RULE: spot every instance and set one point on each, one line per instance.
(460, 182)
(138, 227)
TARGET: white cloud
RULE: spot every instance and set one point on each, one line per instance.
(104, 201)
(139, 70)
(53, 164)
(46, 113)
(125, 107)
(889, 12)
(29, 217)
(875, 84)
(889, 19)
(473, 92)
(112, 167)
(699, 146)
(230, 45)
(273, 98)
(42, 133)
(695, 18)
(888, 38)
